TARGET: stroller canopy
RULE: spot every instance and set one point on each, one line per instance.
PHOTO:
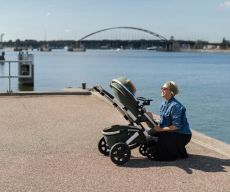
(123, 92)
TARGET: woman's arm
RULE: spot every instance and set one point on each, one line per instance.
(169, 128)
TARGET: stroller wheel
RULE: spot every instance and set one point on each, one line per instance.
(103, 147)
(143, 149)
(151, 152)
(120, 153)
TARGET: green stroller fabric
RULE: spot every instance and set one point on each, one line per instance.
(124, 94)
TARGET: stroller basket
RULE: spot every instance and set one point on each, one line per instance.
(120, 133)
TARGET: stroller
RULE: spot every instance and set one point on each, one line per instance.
(119, 140)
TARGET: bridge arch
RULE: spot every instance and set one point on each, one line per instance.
(133, 28)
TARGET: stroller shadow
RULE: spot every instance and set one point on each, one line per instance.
(194, 162)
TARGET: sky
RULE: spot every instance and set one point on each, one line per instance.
(207, 20)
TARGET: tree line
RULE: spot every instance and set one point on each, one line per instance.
(113, 44)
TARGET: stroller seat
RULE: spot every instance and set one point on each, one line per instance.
(126, 97)
(119, 140)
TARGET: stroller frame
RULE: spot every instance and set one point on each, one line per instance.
(135, 114)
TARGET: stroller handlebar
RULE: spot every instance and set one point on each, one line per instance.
(145, 101)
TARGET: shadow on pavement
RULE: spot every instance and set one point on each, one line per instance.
(194, 162)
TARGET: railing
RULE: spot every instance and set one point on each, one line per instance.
(28, 74)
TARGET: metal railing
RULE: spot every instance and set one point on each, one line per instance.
(9, 76)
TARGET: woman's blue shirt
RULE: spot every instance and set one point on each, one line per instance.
(172, 112)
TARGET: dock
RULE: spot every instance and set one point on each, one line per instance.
(48, 142)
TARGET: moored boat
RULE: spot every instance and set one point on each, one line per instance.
(45, 48)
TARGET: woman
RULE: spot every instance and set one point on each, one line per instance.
(173, 131)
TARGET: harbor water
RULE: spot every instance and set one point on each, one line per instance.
(203, 78)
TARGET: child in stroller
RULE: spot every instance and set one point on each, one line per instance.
(119, 140)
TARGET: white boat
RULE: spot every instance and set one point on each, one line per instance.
(153, 48)
(76, 49)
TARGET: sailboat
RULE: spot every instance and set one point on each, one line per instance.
(76, 48)
(45, 48)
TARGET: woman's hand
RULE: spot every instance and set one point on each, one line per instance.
(157, 128)
(170, 128)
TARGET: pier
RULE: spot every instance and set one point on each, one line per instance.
(48, 142)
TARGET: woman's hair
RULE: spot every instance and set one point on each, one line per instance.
(173, 87)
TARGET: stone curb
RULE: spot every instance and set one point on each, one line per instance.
(66, 91)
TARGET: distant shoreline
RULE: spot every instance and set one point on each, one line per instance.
(206, 50)
(180, 50)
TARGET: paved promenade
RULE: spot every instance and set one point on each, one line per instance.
(49, 143)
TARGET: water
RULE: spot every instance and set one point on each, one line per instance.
(203, 78)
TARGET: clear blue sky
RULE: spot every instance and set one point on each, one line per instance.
(71, 19)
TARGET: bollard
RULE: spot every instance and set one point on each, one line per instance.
(83, 85)
(26, 69)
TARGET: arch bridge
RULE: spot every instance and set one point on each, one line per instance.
(162, 41)
(160, 37)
